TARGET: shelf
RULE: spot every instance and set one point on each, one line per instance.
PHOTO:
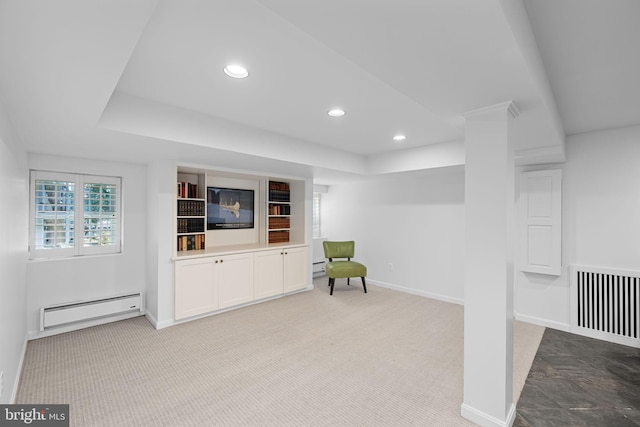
(278, 236)
(280, 216)
(190, 225)
(189, 242)
(279, 222)
(279, 209)
(191, 220)
(187, 190)
(279, 192)
(191, 207)
(278, 212)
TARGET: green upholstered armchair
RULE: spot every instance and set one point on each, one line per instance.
(341, 269)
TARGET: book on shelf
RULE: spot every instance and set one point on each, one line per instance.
(190, 207)
(191, 242)
(275, 209)
(186, 190)
(278, 222)
(278, 236)
(190, 225)
(279, 191)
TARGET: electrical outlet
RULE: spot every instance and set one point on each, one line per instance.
(390, 266)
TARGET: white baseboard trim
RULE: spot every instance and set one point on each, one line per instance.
(616, 339)
(412, 291)
(511, 416)
(167, 323)
(572, 329)
(16, 383)
(486, 420)
(32, 335)
(297, 291)
(151, 319)
(543, 322)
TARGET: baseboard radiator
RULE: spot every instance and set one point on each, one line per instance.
(64, 314)
(606, 304)
(318, 257)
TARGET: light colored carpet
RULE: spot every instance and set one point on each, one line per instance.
(381, 359)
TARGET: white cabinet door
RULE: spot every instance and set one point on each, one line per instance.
(541, 221)
(234, 277)
(195, 291)
(295, 269)
(268, 273)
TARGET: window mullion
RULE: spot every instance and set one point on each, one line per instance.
(79, 216)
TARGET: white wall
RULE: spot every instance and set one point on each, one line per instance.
(80, 278)
(159, 245)
(160, 242)
(13, 254)
(601, 219)
(414, 221)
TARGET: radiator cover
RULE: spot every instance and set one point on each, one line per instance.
(605, 304)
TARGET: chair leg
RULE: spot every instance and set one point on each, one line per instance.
(348, 281)
(364, 285)
(331, 282)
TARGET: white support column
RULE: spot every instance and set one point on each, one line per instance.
(488, 265)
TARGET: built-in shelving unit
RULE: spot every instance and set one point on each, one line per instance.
(278, 212)
(279, 209)
(190, 212)
(217, 268)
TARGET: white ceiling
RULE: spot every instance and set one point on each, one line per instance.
(592, 56)
(143, 80)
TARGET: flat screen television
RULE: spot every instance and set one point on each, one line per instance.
(229, 208)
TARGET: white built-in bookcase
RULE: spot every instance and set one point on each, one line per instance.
(276, 222)
(240, 266)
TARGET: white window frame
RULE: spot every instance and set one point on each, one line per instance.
(317, 223)
(79, 248)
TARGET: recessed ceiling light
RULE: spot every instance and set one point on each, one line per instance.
(236, 71)
(399, 138)
(336, 112)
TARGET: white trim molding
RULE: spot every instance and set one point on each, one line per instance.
(16, 383)
(418, 292)
(487, 420)
(510, 106)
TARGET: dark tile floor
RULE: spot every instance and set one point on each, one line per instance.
(580, 381)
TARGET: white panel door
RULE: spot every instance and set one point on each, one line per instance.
(295, 269)
(541, 221)
(195, 291)
(234, 277)
(268, 273)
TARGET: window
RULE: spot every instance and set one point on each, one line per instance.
(60, 201)
(316, 215)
